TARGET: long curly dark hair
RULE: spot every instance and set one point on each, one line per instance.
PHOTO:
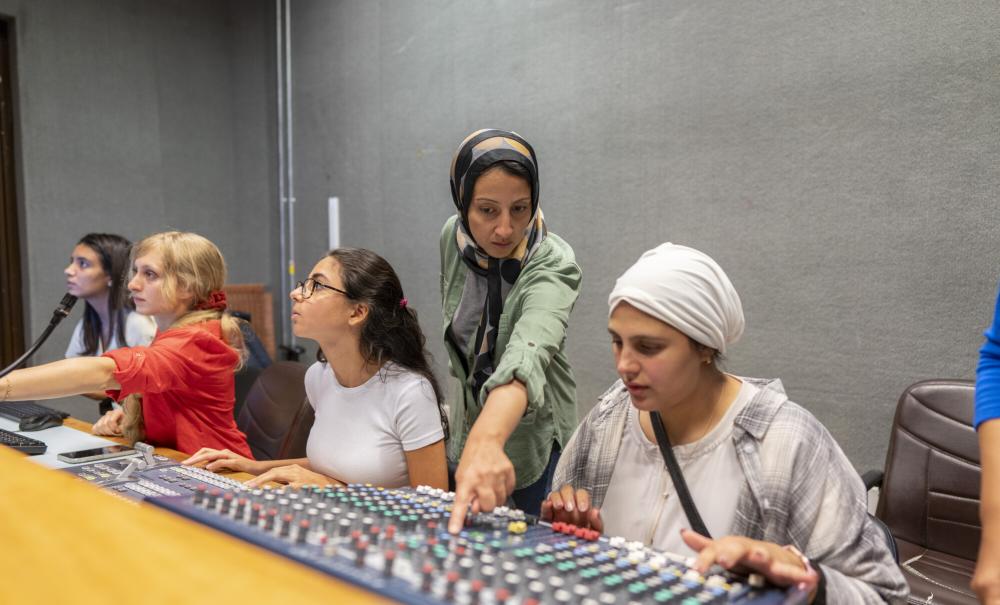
(391, 332)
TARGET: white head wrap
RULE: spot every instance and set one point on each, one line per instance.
(686, 289)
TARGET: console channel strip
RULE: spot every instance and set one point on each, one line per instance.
(394, 542)
(148, 475)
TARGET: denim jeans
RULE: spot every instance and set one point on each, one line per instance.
(530, 498)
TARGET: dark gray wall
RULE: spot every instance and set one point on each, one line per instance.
(839, 159)
(137, 117)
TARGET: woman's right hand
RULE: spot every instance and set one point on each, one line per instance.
(219, 460)
(110, 424)
(570, 505)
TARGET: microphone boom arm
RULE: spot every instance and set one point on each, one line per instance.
(61, 312)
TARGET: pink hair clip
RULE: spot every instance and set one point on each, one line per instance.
(403, 302)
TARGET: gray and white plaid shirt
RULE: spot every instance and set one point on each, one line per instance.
(800, 489)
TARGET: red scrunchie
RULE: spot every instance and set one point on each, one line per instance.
(216, 301)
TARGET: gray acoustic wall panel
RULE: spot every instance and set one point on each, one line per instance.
(839, 159)
(137, 117)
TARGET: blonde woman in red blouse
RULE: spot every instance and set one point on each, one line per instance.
(178, 391)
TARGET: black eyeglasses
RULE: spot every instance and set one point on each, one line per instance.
(308, 287)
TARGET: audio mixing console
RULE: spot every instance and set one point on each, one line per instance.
(394, 542)
(147, 475)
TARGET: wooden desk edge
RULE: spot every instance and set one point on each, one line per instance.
(72, 542)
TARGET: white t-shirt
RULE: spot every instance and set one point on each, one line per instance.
(712, 472)
(139, 332)
(361, 433)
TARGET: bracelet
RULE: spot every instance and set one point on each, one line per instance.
(798, 553)
(6, 392)
(807, 586)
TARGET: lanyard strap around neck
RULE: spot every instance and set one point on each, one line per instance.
(690, 510)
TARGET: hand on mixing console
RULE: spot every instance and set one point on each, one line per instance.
(782, 566)
(483, 480)
(570, 505)
(294, 475)
(110, 424)
(223, 460)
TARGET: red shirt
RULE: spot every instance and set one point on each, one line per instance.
(185, 377)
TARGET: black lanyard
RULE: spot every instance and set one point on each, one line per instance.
(690, 510)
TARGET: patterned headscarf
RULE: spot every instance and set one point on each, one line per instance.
(477, 154)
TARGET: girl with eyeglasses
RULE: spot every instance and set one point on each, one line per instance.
(179, 391)
(379, 415)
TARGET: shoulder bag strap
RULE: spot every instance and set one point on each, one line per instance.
(690, 510)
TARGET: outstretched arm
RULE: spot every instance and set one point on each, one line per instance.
(59, 379)
(485, 475)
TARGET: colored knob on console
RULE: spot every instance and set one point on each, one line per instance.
(427, 572)
(389, 556)
(300, 537)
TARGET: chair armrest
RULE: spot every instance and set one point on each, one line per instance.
(872, 479)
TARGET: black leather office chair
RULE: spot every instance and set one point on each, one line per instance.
(257, 360)
(276, 416)
(930, 491)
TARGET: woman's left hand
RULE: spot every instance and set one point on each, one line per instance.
(780, 566)
(294, 475)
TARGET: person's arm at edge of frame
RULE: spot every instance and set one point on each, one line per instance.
(986, 581)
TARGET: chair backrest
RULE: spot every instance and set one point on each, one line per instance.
(255, 300)
(276, 416)
(930, 493)
(257, 359)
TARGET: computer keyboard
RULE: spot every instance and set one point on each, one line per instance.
(17, 411)
(22, 443)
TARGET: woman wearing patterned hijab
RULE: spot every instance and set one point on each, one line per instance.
(507, 287)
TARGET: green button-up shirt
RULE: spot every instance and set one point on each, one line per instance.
(530, 347)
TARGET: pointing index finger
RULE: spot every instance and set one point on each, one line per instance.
(458, 509)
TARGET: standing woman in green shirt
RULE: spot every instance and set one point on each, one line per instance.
(507, 288)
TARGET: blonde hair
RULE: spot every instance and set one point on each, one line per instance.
(192, 262)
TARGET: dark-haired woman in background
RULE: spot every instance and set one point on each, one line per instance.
(378, 407)
(97, 274)
(507, 287)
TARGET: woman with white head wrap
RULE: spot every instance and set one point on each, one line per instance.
(764, 478)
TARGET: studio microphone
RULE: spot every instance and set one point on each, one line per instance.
(61, 312)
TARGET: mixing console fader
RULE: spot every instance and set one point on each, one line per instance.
(147, 475)
(394, 542)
